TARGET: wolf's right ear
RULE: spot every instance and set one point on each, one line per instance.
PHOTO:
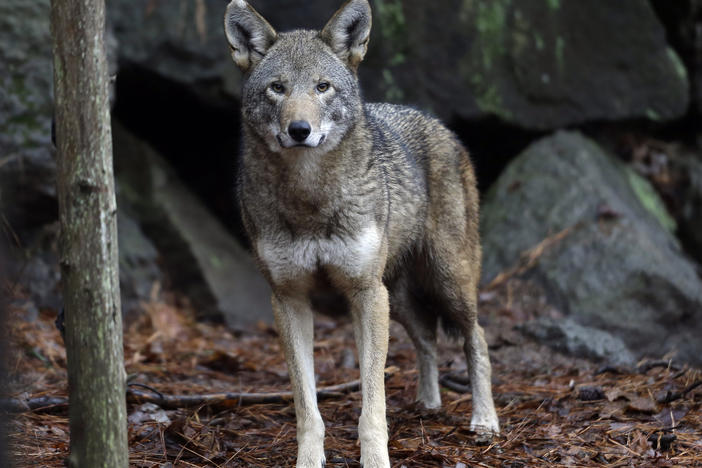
(249, 35)
(348, 31)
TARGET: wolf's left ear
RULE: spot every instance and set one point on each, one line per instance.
(249, 35)
(348, 31)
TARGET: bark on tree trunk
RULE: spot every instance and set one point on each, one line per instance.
(4, 288)
(88, 242)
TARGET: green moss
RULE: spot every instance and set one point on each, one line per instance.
(393, 93)
(650, 200)
(651, 114)
(488, 97)
(398, 59)
(392, 20)
(488, 48)
(216, 262)
(554, 4)
(538, 42)
(490, 23)
(678, 65)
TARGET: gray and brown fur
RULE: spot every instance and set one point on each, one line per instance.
(375, 203)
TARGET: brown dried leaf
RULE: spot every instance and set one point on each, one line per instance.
(642, 404)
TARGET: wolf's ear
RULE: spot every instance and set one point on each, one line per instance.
(348, 31)
(249, 35)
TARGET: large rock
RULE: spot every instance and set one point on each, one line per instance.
(618, 268)
(540, 64)
(181, 41)
(27, 168)
(202, 258)
(27, 165)
(683, 22)
(689, 168)
(139, 269)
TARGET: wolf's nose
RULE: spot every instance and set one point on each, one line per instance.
(299, 130)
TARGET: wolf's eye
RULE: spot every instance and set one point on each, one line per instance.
(323, 87)
(278, 87)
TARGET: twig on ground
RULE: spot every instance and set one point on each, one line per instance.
(449, 382)
(648, 365)
(677, 395)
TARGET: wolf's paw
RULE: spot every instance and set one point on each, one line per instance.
(429, 400)
(310, 456)
(486, 427)
(377, 460)
(374, 455)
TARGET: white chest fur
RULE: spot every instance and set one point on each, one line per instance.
(288, 259)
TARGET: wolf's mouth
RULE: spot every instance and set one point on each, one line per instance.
(283, 144)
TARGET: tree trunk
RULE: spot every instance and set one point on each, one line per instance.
(88, 242)
(4, 391)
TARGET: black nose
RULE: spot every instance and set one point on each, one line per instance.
(299, 130)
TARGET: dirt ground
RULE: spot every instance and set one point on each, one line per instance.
(554, 410)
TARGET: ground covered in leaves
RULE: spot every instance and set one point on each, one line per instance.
(554, 410)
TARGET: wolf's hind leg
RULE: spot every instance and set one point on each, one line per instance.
(484, 417)
(421, 327)
(459, 290)
(294, 320)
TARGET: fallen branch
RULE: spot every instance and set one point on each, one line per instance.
(231, 399)
(151, 395)
(17, 405)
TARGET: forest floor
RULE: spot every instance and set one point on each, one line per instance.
(554, 410)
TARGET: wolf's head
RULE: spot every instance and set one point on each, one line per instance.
(300, 88)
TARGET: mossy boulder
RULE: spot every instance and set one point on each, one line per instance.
(27, 164)
(27, 167)
(618, 268)
(538, 64)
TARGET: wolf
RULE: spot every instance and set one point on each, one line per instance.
(375, 204)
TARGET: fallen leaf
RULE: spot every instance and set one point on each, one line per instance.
(642, 404)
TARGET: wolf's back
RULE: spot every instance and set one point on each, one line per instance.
(424, 149)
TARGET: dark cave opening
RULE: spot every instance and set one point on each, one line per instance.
(198, 133)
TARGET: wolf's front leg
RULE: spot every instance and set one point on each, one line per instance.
(293, 317)
(370, 311)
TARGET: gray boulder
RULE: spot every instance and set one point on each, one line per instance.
(618, 268)
(683, 22)
(27, 168)
(182, 41)
(539, 64)
(138, 260)
(690, 215)
(27, 165)
(201, 257)
(568, 336)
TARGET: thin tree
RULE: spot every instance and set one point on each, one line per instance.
(4, 455)
(88, 242)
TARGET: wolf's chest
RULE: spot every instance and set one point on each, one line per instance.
(287, 258)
